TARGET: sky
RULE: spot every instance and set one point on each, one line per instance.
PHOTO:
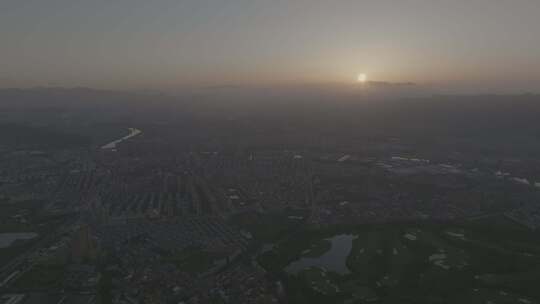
(487, 45)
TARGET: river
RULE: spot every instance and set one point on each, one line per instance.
(112, 145)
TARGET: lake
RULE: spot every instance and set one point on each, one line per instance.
(7, 239)
(333, 260)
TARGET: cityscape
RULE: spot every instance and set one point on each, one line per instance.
(156, 216)
(270, 152)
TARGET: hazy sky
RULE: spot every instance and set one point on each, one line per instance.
(484, 44)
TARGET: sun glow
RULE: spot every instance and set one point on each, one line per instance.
(362, 78)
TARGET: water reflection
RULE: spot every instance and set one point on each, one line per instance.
(333, 260)
(6, 239)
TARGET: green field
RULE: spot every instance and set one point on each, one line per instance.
(269, 227)
(415, 263)
(39, 223)
(41, 277)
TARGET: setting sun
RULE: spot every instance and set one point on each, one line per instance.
(362, 78)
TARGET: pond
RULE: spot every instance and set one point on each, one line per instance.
(7, 239)
(333, 260)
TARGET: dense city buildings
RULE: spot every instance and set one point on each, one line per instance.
(181, 212)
